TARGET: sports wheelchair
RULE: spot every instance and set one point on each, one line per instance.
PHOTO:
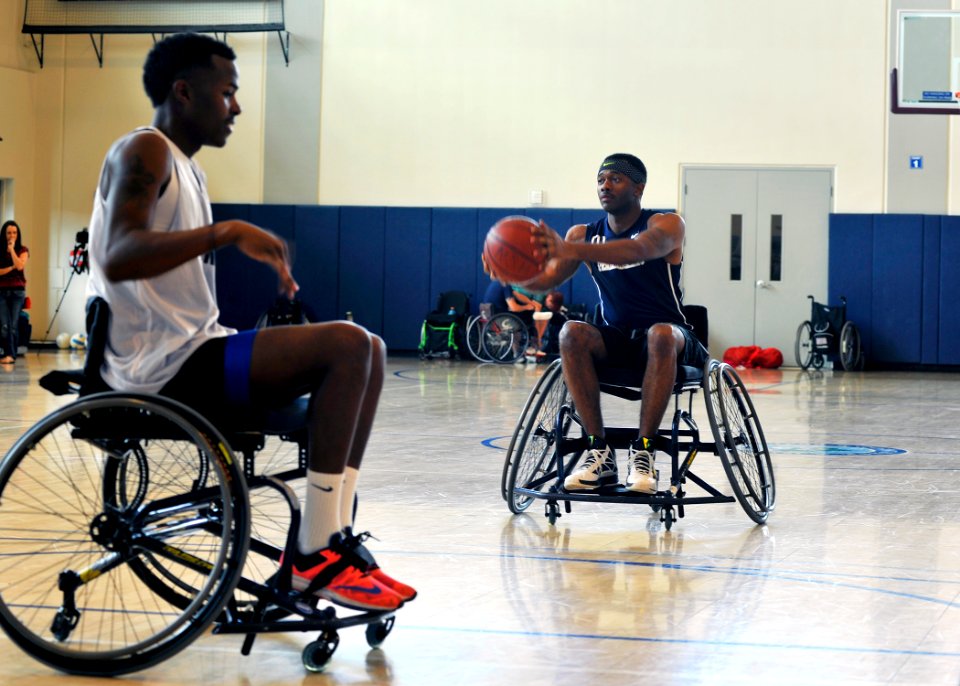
(131, 524)
(828, 333)
(504, 337)
(549, 440)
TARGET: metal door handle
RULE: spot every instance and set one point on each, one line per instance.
(762, 284)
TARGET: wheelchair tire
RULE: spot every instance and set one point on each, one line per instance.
(531, 456)
(73, 522)
(803, 347)
(547, 376)
(474, 338)
(505, 338)
(740, 442)
(850, 353)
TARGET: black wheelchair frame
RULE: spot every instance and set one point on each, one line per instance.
(542, 450)
(828, 333)
(140, 493)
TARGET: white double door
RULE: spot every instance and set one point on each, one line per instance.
(756, 246)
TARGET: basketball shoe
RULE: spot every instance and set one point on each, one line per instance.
(338, 574)
(641, 475)
(599, 468)
(355, 543)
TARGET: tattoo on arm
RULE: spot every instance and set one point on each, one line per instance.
(136, 182)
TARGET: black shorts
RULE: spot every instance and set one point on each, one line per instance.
(215, 379)
(628, 350)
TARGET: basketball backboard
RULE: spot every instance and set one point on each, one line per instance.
(926, 79)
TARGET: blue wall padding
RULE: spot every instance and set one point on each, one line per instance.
(362, 259)
(406, 275)
(454, 252)
(930, 292)
(388, 265)
(850, 271)
(949, 307)
(315, 260)
(897, 287)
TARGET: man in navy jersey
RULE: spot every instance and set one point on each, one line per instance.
(634, 256)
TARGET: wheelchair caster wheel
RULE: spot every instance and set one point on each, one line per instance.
(668, 518)
(552, 512)
(377, 632)
(317, 653)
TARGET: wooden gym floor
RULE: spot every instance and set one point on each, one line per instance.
(855, 579)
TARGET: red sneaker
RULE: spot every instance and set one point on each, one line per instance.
(401, 589)
(364, 559)
(330, 574)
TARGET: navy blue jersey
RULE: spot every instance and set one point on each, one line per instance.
(636, 296)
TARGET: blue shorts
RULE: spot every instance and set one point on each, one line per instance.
(215, 379)
(628, 350)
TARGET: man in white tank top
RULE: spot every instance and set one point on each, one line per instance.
(152, 241)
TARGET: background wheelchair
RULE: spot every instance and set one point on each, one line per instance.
(131, 526)
(502, 337)
(505, 337)
(549, 440)
(828, 333)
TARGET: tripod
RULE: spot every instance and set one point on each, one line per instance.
(79, 263)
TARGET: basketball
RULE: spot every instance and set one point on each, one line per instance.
(509, 252)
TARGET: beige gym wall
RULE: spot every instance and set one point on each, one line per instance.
(429, 102)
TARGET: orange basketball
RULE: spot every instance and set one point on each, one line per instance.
(509, 252)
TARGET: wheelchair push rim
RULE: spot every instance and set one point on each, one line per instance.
(740, 443)
(90, 497)
(531, 460)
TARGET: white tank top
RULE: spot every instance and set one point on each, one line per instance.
(157, 323)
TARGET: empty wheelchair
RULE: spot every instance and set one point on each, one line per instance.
(502, 337)
(828, 334)
(549, 440)
(132, 524)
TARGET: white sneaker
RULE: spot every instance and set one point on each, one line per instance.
(599, 468)
(641, 475)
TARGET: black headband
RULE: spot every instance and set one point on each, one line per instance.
(628, 165)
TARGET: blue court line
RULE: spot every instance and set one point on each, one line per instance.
(692, 641)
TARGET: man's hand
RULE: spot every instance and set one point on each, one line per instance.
(548, 244)
(266, 247)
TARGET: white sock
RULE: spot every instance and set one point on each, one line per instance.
(350, 476)
(321, 514)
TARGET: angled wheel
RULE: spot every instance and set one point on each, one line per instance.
(740, 442)
(850, 353)
(474, 339)
(93, 495)
(530, 458)
(532, 400)
(803, 348)
(505, 338)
